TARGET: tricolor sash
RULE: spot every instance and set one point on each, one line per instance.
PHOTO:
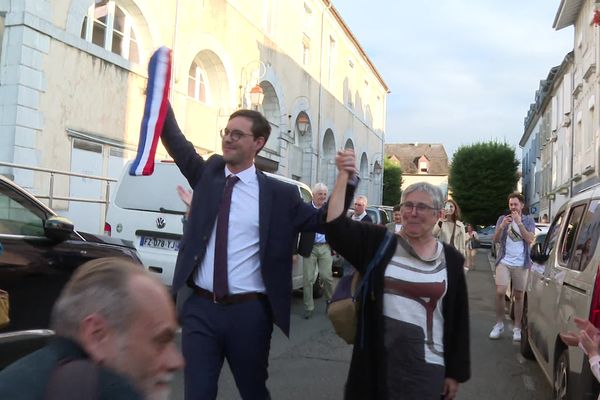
(155, 111)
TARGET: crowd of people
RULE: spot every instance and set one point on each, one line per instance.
(232, 283)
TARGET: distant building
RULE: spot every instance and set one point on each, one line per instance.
(420, 162)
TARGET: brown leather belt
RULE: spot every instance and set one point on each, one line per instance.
(230, 298)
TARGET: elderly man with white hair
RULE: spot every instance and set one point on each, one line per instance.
(317, 254)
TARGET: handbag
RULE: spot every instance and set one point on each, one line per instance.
(350, 292)
(475, 244)
(4, 309)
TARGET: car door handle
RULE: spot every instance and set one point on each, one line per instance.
(546, 280)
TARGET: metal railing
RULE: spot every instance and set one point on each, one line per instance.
(51, 197)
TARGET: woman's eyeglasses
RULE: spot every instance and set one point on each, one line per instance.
(421, 208)
(234, 135)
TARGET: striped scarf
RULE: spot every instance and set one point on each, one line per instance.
(155, 111)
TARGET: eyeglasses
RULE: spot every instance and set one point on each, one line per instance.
(421, 208)
(235, 134)
(359, 204)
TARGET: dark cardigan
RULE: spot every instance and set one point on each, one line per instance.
(358, 243)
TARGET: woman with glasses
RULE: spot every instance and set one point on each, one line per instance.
(413, 326)
(449, 229)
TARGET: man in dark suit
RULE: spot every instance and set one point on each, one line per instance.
(265, 216)
(316, 254)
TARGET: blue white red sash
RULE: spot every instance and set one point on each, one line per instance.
(155, 111)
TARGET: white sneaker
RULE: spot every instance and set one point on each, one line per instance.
(497, 331)
(516, 334)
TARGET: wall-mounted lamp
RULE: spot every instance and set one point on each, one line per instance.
(252, 72)
(563, 190)
(256, 96)
(377, 168)
(302, 123)
(551, 196)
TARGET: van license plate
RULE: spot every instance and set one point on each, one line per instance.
(158, 243)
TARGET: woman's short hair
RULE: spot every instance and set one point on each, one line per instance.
(101, 287)
(437, 197)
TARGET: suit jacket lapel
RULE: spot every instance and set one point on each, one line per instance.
(265, 195)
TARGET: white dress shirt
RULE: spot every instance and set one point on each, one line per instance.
(243, 259)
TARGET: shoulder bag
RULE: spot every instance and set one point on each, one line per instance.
(342, 309)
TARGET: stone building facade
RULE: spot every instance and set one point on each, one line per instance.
(73, 76)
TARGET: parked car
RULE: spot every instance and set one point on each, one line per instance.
(564, 282)
(378, 214)
(151, 218)
(486, 235)
(40, 251)
(388, 213)
(541, 228)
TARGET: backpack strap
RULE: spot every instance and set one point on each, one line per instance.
(74, 380)
(364, 287)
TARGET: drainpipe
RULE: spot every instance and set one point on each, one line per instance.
(174, 53)
(328, 5)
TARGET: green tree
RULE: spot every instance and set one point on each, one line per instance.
(482, 176)
(392, 182)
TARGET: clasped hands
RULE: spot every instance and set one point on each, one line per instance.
(345, 161)
(588, 337)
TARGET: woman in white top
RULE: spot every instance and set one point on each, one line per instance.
(471, 250)
(449, 229)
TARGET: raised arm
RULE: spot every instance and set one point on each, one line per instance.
(180, 149)
(345, 162)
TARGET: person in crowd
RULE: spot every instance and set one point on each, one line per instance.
(414, 325)
(360, 210)
(450, 229)
(514, 235)
(111, 343)
(470, 247)
(186, 198)
(317, 256)
(588, 339)
(545, 219)
(233, 272)
(396, 225)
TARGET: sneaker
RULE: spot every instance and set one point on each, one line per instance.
(516, 334)
(307, 314)
(497, 331)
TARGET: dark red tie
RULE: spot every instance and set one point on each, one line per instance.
(220, 283)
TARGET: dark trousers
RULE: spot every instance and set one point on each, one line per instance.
(240, 333)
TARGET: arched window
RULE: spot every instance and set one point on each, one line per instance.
(197, 83)
(108, 26)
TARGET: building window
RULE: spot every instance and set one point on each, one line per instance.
(306, 50)
(197, 83)
(108, 26)
(423, 165)
(331, 60)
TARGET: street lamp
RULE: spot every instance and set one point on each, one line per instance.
(256, 96)
(302, 123)
(252, 71)
(377, 168)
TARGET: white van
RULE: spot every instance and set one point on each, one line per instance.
(148, 211)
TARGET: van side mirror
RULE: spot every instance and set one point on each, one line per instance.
(537, 254)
